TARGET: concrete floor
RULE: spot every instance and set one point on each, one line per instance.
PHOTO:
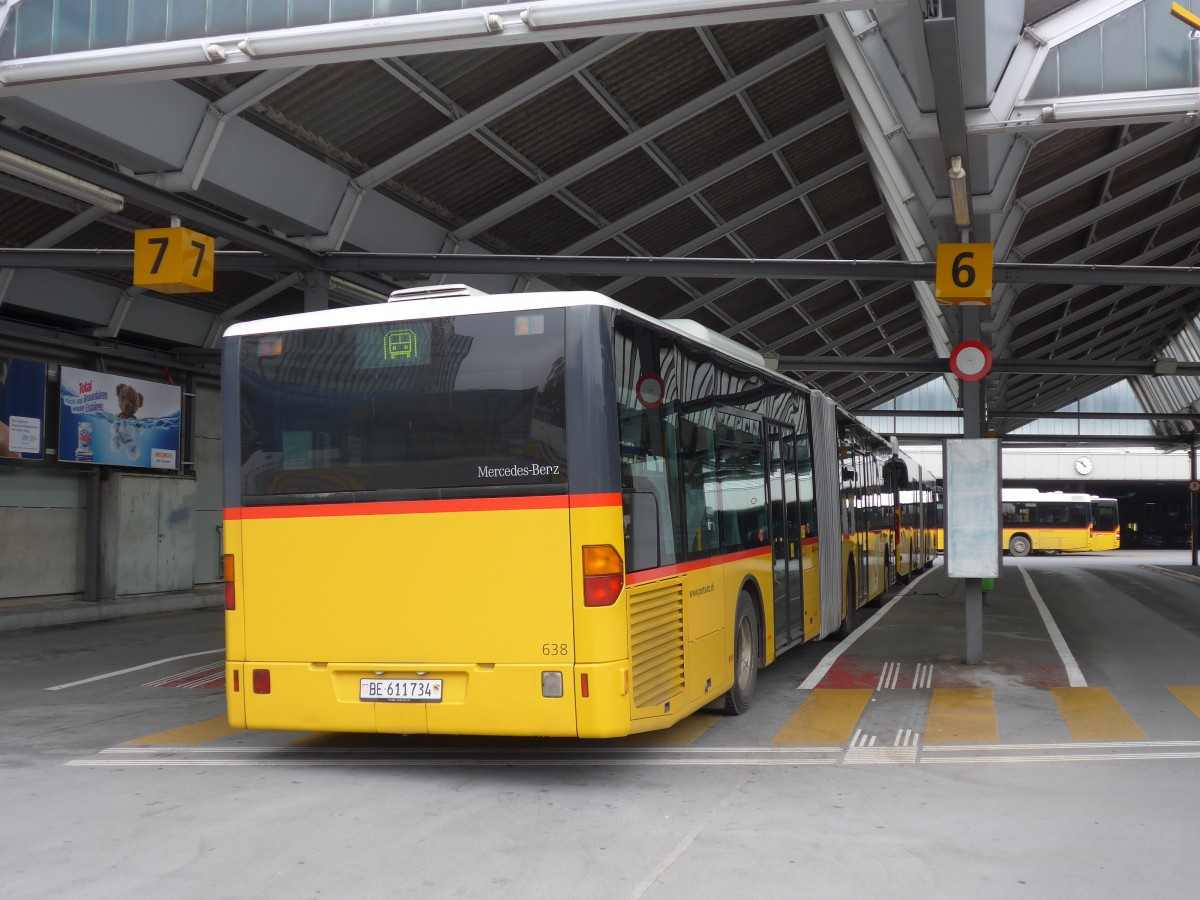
(119, 786)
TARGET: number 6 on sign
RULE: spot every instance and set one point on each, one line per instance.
(963, 274)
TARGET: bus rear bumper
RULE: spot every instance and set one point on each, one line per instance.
(483, 699)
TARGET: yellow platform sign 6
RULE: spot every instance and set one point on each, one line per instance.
(173, 260)
(963, 274)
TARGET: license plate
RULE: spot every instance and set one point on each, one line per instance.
(400, 690)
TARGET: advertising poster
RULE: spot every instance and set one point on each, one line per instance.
(115, 420)
(22, 408)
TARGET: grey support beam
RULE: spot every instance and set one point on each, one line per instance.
(292, 257)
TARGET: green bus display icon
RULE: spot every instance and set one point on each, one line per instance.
(392, 345)
(401, 344)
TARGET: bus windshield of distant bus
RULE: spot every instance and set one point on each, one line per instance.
(464, 402)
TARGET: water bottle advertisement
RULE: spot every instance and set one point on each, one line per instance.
(117, 421)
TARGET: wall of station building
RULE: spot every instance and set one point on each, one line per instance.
(1150, 485)
(159, 530)
(1064, 464)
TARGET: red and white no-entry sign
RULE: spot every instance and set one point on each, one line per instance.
(650, 391)
(971, 360)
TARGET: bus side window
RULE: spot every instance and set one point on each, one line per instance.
(701, 490)
(699, 515)
(643, 532)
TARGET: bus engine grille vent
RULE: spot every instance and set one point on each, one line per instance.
(656, 628)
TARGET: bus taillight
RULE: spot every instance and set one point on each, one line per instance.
(261, 680)
(603, 575)
(227, 571)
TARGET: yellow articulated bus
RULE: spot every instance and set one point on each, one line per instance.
(536, 514)
(1106, 524)
(1035, 522)
(916, 527)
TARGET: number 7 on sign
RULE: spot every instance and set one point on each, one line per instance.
(963, 274)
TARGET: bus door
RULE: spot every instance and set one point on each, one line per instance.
(861, 524)
(853, 540)
(785, 535)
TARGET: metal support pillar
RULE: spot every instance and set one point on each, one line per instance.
(1195, 504)
(974, 426)
(316, 290)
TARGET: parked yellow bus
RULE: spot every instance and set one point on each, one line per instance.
(534, 514)
(1056, 522)
(916, 528)
(1106, 524)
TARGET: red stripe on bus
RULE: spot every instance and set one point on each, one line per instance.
(680, 568)
(410, 507)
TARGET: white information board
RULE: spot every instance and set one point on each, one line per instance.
(973, 508)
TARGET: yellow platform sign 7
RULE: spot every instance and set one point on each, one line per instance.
(963, 274)
(173, 260)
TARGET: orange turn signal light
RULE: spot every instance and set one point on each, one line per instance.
(227, 572)
(603, 575)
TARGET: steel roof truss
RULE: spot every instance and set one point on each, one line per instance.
(729, 227)
(794, 253)
(1078, 223)
(642, 135)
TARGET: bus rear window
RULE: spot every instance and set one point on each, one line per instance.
(468, 402)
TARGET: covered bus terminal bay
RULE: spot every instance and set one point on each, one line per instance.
(783, 173)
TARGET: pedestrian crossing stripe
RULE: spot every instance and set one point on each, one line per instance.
(1189, 696)
(827, 716)
(962, 716)
(1093, 714)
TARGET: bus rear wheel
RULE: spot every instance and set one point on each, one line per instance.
(1019, 545)
(745, 657)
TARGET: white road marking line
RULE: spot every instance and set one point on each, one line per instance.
(1062, 757)
(1074, 675)
(198, 675)
(862, 752)
(856, 756)
(668, 860)
(863, 740)
(888, 677)
(606, 753)
(442, 763)
(157, 662)
(923, 677)
(878, 756)
(823, 667)
(1081, 745)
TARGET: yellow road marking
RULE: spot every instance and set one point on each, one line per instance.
(196, 733)
(962, 716)
(1093, 714)
(828, 716)
(1188, 696)
(679, 734)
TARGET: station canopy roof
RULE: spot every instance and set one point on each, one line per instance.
(671, 142)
